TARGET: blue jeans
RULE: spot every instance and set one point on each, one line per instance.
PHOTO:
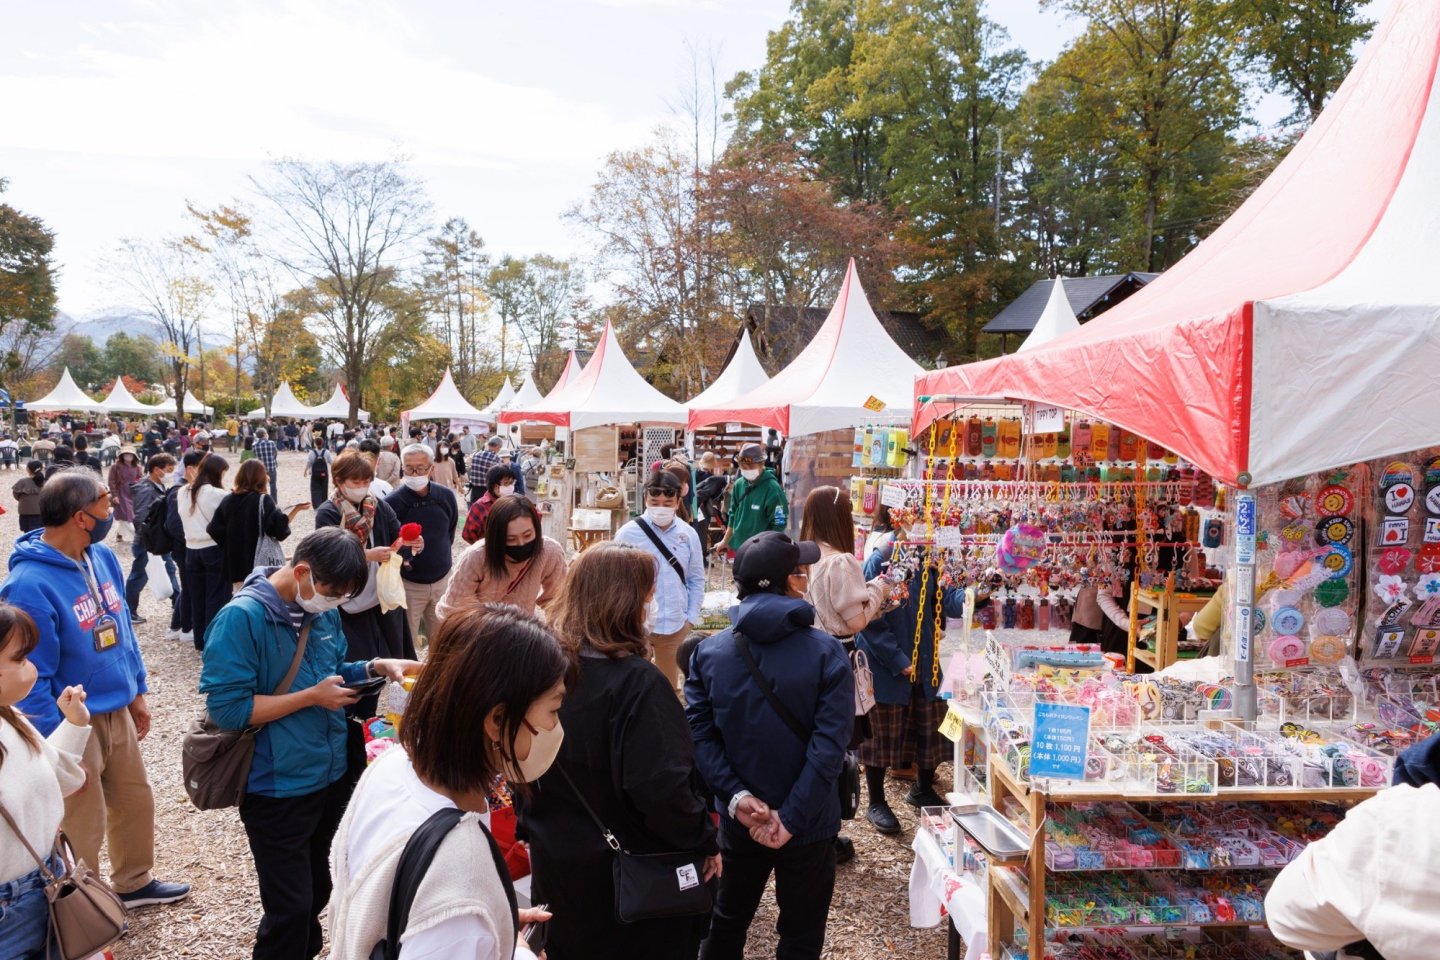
(24, 918)
(139, 577)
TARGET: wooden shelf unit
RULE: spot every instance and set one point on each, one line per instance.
(1009, 900)
(1169, 607)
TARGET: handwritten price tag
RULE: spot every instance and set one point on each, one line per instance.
(953, 726)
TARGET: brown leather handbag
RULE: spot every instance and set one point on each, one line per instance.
(85, 914)
(215, 762)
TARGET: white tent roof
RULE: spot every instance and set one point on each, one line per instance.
(827, 386)
(608, 391)
(283, 404)
(1056, 320)
(571, 371)
(66, 396)
(337, 406)
(193, 405)
(501, 401)
(121, 400)
(739, 377)
(528, 395)
(446, 403)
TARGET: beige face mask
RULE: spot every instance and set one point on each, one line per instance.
(544, 748)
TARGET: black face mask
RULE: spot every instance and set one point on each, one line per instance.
(522, 551)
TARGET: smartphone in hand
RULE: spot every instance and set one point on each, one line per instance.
(366, 686)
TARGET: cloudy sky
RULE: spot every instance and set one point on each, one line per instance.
(118, 111)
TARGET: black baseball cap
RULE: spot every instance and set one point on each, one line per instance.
(752, 452)
(769, 557)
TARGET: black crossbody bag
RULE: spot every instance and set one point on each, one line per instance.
(849, 785)
(649, 886)
(415, 862)
(664, 550)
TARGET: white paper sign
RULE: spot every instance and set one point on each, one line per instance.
(1049, 419)
(947, 537)
(892, 495)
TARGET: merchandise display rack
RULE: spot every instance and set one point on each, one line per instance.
(1017, 893)
(1169, 606)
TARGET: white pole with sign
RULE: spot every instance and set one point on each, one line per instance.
(1246, 702)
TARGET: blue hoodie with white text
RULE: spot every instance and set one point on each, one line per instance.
(50, 586)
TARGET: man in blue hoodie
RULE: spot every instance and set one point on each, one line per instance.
(779, 792)
(297, 788)
(65, 577)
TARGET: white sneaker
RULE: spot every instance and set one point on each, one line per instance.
(173, 633)
(187, 635)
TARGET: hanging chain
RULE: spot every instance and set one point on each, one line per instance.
(929, 504)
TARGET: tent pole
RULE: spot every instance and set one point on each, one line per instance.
(1246, 705)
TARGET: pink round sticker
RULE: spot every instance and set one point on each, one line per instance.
(1393, 560)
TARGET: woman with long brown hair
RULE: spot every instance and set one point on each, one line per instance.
(514, 562)
(628, 753)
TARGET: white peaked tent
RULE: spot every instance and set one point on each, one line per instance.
(283, 404)
(121, 400)
(571, 371)
(337, 406)
(66, 396)
(501, 401)
(739, 377)
(528, 395)
(1056, 320)
(608, 391)
(193, 405)
(827, 386)
(446, 403)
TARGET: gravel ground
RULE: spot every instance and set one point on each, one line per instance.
(868, 919)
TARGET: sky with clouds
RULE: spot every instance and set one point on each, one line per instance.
(119, 111)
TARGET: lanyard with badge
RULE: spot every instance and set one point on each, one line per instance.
(106, 631)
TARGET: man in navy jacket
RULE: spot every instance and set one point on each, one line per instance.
(778, 792)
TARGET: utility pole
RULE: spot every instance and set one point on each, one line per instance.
(999, 171)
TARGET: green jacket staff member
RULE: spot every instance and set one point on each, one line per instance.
(757, 501)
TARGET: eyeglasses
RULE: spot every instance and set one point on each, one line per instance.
(417, 471)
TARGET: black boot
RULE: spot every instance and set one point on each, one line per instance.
(923, 794)
(844, 849)
(881, 817)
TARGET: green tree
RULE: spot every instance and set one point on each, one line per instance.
(132, 356)
(27, 282)
(1304, 47)
(455, 275)
(79, 354)
(169, 279)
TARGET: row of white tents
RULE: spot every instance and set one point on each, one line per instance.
(67, 395)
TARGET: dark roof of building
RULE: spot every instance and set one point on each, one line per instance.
(780, 333)
(1088, 296)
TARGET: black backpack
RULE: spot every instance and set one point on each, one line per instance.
(155, 532)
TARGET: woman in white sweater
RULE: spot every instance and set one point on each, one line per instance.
(35, 777)
(208, 587)
(486, 704)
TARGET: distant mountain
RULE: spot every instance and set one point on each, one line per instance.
(100, 325)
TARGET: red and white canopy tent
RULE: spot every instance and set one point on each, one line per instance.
(502, 398)
(607, 392)
(1303, 333)
(571, 371)
(827, 386)
(741, 375)
(528, 395)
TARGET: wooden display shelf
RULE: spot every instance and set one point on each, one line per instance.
(1011, 903)
(1169, 607)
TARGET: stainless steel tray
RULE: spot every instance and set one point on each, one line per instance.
(998, 837)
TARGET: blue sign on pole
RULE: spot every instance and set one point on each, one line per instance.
(1060, 742)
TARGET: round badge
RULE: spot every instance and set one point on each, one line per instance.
(1334, 530)
(1294, 532)
(1338, 560)
(1288, 620)
(1327, 650)
(1399, 498)
(1285, 597)
(1397, 471)
(1335, 500)
(1432, 501)
(1428, 559)
(1332, 621)
(1257, 622)
(1332, 593)
(1392, 560)
(1287, 648)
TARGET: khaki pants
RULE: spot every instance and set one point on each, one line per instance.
(421, 603)
(665, 645)
(116, 804)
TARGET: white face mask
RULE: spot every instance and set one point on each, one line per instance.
(417, 483)
(444, 451)
(660, 516)
(652, 614)
(544, 748)
(505, 491)
(355, 494)
(751, 475)
(316, 603)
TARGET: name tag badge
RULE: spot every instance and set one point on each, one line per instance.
(106, 633)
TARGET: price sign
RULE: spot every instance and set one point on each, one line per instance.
(875, 404)
(947, 538)
(1049, 420)
(1060, 742)
(892, 495)
(953, 726)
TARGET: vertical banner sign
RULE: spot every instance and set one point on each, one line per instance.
(1060, 742)
(1244, 598)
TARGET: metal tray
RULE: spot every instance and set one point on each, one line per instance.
(999, 838)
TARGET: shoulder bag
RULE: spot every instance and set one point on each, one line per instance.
(415, 862)
(268, 552)
(664, 550)
(849, 783)
(649, 886)
(215, 762)
(85, 914)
